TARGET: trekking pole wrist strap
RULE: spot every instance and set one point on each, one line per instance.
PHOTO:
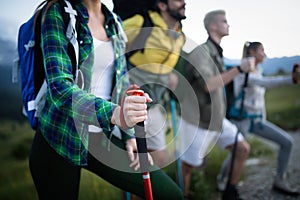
(240, 69)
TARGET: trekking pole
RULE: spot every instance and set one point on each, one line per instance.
(237, 133)
(142, 151)
(243, 94)
(232, 159)
(127, 195)
(178, 162)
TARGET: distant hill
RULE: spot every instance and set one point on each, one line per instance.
(8, 52)
(10, 101)
(272, 65)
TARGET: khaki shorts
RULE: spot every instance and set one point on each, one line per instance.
(196, 142)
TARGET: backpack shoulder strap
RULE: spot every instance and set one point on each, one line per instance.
(139, 42)
(243, 92)
(71, 31)
(238, 112)
(69, 17)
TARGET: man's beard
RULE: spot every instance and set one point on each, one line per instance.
(175, 14)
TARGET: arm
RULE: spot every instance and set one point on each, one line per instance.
(221, 80)
(224, 78)
(63, 94)
(269, 82)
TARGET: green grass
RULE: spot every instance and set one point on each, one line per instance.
(15, 178)
(283, 108)
(93, 187)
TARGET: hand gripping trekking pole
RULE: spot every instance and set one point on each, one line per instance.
(142, 150)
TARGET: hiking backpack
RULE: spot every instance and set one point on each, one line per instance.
(128, 8)
(238, 112)
(233, 112)
(30, 60)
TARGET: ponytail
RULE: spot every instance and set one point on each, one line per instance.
(248, 46)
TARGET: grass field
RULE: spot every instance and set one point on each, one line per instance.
(283, 108)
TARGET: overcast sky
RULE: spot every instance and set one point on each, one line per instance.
(275, 23)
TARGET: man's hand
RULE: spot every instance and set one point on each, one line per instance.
(173, 81)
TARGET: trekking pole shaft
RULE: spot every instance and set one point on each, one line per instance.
(143, 154)
(147, 186)
(178, 162)
(143, 157)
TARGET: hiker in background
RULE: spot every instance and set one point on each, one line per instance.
(62, 146)
(254, 120)
(151, 63)
(207, 77)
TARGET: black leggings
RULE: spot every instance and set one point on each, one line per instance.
(55, 178)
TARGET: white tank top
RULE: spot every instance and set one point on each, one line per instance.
(102, 72)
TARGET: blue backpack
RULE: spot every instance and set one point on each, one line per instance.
(30, 61)
(234, 111)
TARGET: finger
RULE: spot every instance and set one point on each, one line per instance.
(135, 164)
(137, 167)
(150, 159)
(139, 119)
(148, 99)
(136, 107)
(130, 105)
(130, 154)
(135, 99)
(133, 115)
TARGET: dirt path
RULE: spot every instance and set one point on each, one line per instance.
(259, 178)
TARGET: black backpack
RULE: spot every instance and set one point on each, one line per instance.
(128, 8)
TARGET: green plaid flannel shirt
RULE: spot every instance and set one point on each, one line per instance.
(68, 110)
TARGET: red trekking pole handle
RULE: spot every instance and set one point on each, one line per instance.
(142, 150)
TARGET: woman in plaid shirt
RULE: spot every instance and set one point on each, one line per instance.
(62, 145)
